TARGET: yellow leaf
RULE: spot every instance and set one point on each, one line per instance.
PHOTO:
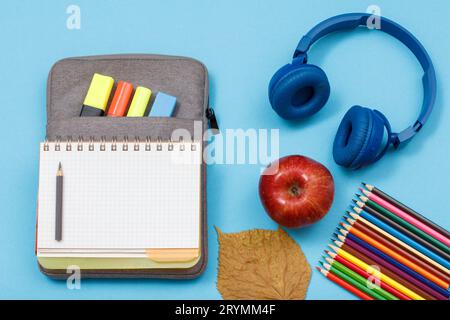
(261, 265)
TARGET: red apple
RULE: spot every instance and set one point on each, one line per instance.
(296, 191)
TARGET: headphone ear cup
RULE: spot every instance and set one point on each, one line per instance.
(298, 90)
(277, 76)
(359, 138)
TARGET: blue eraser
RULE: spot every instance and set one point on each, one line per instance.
(163, 106)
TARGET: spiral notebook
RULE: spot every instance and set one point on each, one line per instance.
(121, 200)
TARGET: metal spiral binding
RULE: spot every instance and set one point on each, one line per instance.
(80, 143)
(58, 143)
(182, 148)
(69, 143)
(103, 144)
(125, 145)
(148, 146)
(159, 145)
(91, 144)
(114, 144)
(136, 143)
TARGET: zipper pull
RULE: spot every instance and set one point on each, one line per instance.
(211, 116)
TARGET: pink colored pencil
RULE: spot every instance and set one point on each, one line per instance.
(405, 216)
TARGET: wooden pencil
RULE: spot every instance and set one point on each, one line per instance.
(399, 268)
(399, 250)
(371, 266)
(405, 208)
(335, 265)
(366, 275)
(59, 203)
(406, 254)
(408, 218)
(407, 225)
(384, 271)
(359, 219)
(356, 281)
(405, 232)
(380, 262)
(400, 258)
(345, 285)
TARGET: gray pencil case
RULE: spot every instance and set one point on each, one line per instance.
(184, 78)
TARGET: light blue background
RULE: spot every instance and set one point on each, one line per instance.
(242, 43)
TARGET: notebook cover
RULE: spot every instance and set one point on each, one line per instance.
(185, 78)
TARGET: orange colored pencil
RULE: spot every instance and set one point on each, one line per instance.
(398, 257)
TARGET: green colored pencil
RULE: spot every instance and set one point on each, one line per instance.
(354, 283)
(407, 225)
(362, 280)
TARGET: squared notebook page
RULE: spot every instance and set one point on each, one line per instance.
(121, 199)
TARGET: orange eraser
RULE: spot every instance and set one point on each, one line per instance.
(119, 103)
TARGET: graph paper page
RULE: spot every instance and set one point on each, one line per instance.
(122, 199)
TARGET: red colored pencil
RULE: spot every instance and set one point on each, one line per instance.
(345, 285)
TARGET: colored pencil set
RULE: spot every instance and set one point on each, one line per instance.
(384, 250)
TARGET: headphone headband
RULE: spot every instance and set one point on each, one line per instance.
(353, 20)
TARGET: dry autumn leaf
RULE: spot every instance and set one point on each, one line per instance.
(261, 265)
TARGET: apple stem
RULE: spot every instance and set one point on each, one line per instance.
(295, 190)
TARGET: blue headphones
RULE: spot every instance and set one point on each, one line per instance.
(299, 89)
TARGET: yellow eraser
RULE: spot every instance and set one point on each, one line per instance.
(99, 91)
(139, 103)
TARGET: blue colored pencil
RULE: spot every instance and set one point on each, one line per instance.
(404, 238)
(399, 265)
